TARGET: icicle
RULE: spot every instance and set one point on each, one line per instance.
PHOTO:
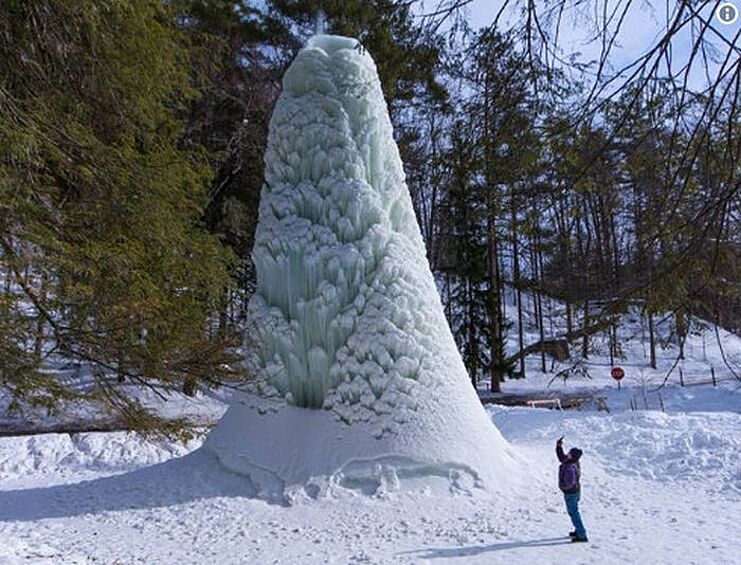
(320, 22)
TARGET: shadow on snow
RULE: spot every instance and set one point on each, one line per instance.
(449, 552)
(195, 476)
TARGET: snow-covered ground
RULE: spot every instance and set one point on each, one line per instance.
(657, 488)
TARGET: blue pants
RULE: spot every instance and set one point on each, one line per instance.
(572, 507)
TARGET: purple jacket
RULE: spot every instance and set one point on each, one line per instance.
(569, 473)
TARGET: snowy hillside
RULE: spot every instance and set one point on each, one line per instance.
(702, 353)
(708, 350)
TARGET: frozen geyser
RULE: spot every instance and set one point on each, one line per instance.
(357, 373)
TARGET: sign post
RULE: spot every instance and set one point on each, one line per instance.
(617, 373)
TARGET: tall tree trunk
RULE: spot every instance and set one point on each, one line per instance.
(448, 299)
(38, 346)
(651, 340)
(495, 326)
(541, 325)
(496, 331)
(518, 289)
(585, 324)
(615, 254)
(472, 347)
(541, 322)
(681, 324)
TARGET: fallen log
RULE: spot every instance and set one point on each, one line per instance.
(28, 428)
(554, 345)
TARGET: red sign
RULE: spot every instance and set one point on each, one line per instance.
(617, 373)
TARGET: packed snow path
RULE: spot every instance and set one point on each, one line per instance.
(657, 488)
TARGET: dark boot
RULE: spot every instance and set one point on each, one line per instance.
(577, 539)
(572, 534)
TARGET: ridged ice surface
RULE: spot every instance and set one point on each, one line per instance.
(357, 376)
(346, 306)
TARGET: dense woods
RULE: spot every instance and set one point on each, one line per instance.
(131, 142)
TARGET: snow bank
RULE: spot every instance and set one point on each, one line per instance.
(651, 445)
(357, 371)
(654, 445)
(64, 453)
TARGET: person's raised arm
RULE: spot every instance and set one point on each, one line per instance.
(559, 450)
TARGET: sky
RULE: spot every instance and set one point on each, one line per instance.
(645, 22)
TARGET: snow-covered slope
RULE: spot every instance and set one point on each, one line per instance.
(707, 349)
(358, 378)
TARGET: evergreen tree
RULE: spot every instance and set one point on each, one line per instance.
(105, 258)
(462, 254)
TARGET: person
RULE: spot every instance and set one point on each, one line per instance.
(569, 475)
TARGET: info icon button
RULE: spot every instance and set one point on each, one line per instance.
(727, 13)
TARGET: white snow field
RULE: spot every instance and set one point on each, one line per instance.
(358, 378)
(657, 488)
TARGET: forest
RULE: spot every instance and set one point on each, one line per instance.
(132, 137)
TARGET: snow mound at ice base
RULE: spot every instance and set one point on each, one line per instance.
(293, 453)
